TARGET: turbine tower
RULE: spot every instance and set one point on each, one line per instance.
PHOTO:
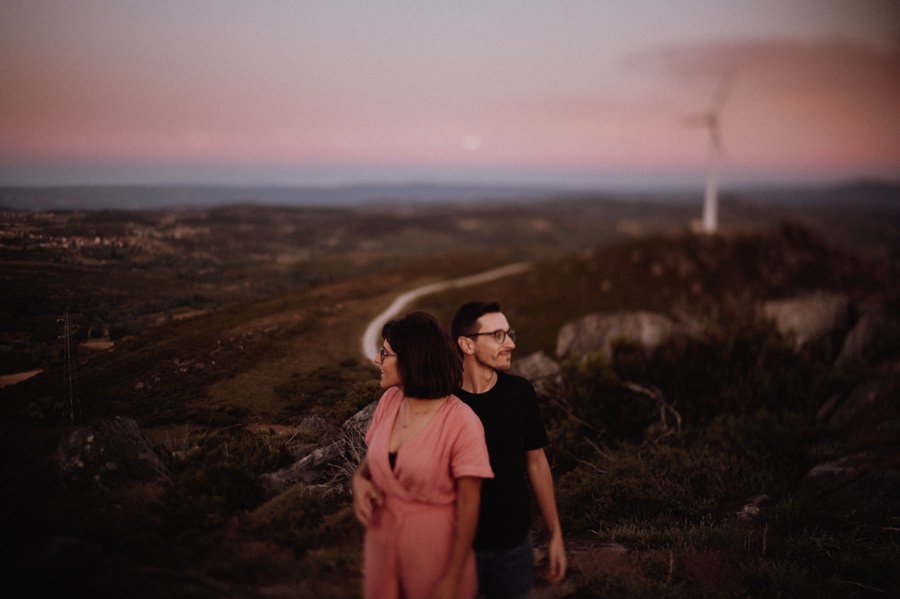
(710, 121)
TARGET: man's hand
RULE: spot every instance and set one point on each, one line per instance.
(556, 559)
(366, 497)
(542, 483)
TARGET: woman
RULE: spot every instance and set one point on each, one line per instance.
(417, 490)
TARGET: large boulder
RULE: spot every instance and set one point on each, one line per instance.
(840, 411)
(539, 368)
(597, 332)
(808, 318)
(107, 453)
(863, 337)
(864, 483)
(334, 460)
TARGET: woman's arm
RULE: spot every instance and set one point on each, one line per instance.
(468, 497)
(542, 483)
(366, 496)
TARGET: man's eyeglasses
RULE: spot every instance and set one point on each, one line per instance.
(499, 335)
(382, 354)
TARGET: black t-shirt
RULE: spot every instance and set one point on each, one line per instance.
(512, 426)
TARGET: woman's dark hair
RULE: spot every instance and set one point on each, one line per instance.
(427, 362)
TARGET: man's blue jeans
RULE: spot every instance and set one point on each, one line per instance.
(507, 574)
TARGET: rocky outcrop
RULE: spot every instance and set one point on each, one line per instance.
(335, 460)
(107, 453)
(751, 510)
(861, 486)
(864, 483)
(312, 427)
(859, 400)
(808, 318)
(862, 337)
(539, 368)
(596, 333)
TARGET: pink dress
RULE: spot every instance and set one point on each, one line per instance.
(409, 538)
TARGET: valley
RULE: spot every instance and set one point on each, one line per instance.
(231, 336)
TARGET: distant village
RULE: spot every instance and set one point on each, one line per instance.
(25, 231)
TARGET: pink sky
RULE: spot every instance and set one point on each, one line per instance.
(340, 92)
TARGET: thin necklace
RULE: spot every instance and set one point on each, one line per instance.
(406, 414)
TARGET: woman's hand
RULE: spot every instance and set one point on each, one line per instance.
(366, 496)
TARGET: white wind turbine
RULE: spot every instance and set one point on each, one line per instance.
(710, 121)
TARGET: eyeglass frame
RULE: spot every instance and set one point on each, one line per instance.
(511, 333)
(382, 354)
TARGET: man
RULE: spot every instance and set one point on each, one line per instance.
(516, 438)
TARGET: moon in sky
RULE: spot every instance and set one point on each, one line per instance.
(471, 142)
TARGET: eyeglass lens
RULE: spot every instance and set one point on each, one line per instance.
(500, 335)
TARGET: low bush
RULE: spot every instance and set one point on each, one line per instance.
(334, 392)
(628, 471)
(219, 477)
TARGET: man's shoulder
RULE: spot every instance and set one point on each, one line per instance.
(514, 381)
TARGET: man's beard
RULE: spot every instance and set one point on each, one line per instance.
(502, 366)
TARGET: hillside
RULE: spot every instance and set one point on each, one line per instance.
(118, 272)
(256, 383)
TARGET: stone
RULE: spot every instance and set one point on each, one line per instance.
(860, 399)
(863, 486)
(535, 367)
(828, 409)
(107, 453)
(335, 460)
(860, 338)
(596, 333)
(808, 318)
(312, 427)
(750, 510)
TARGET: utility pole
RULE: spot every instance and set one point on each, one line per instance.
(70, 382)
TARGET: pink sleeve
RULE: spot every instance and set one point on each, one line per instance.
(378, 414)
(470, 454)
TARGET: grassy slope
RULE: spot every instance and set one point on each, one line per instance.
(748, 403)
(274, 362)
(696, 277)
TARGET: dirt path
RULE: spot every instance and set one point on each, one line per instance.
(12, 379)
(370, 342)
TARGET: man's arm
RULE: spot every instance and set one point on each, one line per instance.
(542, 483)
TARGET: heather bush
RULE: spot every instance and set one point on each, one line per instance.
(659, 452)
(334, 392)
(220, 474)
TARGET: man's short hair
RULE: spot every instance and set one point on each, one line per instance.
(465, 321)
(427, 363)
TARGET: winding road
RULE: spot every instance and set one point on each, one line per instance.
(370, 339)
